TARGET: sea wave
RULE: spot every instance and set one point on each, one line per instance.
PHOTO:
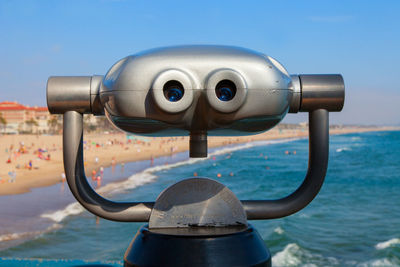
(15, 236)
(147, 176)
(388, 243)
(289, 256)
(59, 215)
(385, 262)
(279, 230)
(76, 208)
(343, 149)
(132, 182)
(294, 255)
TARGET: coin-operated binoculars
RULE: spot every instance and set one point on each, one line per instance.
(196, 91)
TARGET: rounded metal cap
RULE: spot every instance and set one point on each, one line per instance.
(69, 93)
(197, 202)
(322, 91)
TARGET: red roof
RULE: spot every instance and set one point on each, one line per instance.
(38, 108)
(7, 105)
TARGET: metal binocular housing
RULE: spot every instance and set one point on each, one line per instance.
(196, 91)
(133, 92)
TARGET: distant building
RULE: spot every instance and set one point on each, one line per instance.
(23, 119)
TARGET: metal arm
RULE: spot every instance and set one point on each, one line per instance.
(82, 191)
(317, 165)
(140, 211)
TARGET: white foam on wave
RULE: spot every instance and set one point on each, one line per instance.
(288, 256)
(382, 263)
(378, 263)
(59, 215)
(76, 208)
(147, 176)
(132, 182)
(279, 230)
(343, 149)
(294, 255)
(276, 141)
(15, 236)
(388, 243)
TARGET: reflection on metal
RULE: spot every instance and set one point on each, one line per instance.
(197, 202)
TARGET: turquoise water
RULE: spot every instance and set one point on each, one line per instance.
(354, 221)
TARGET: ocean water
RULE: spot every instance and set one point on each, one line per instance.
(354, 221)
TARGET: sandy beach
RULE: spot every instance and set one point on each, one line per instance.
(29, 161)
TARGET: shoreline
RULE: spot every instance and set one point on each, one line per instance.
(108, 150)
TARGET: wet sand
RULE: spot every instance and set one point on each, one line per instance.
(103, 150)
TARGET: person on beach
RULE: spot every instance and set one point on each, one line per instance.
(13, 177)
(63, 177)
(62, 182)
(93, 175)
(98, 179)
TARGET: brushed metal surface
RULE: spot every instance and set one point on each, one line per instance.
(131, 91)
(321, 91)
(197, 202)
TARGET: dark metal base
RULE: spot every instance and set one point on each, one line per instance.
(177, 247)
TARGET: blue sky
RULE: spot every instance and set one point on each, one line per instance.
(359, 39)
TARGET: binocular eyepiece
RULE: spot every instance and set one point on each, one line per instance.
(225, 90)
(173, 91)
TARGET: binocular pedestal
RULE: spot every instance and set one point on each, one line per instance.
(197, 222)
(198, 246)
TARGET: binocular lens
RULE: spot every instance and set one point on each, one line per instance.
(173, 91)
(225, 90)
